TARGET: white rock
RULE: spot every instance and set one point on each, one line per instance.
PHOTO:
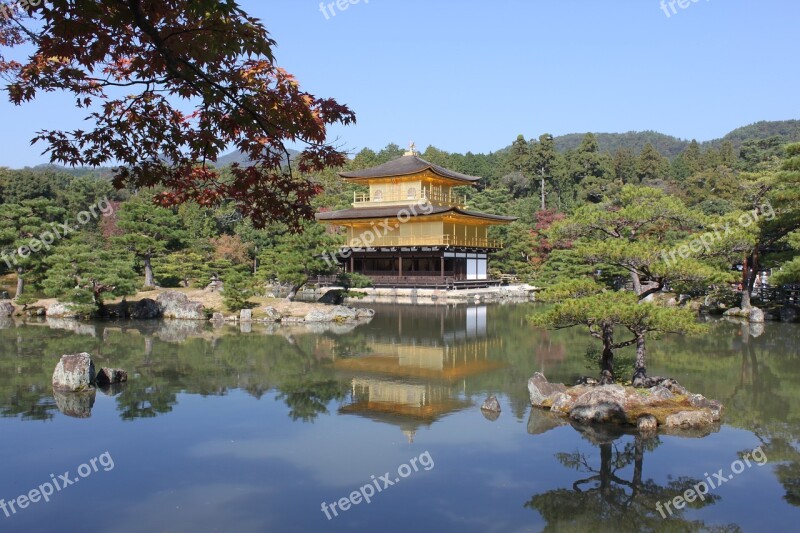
(74, 373)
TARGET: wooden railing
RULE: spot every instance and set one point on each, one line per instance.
(433, 240)
(780, 295)
(432, 196)
(415, 281)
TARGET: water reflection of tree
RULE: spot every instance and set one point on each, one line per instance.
(209, 365)
(308, 397)
(766, 398)
(756, 369)
(145, 399)
(21, 358)
(605, 500)
(352, 345)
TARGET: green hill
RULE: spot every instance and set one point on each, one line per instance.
(669, 146)
(787, 130)
(635, 140)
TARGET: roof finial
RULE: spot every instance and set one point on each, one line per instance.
(412, 149)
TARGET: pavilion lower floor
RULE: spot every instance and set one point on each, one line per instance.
(419, 267)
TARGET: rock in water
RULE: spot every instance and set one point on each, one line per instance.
(246, 315)
(74, 373)
(756, 316)
(272, 314)
(714, 407)
(109, 376)
(6, 309)
(362, 313)
(491, 404)
(318, 316)
(145, 309)
(690, 419)
(60, 310)
(540, 389)
(174, 304)
(604, 403)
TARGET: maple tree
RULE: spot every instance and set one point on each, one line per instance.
(168, 86)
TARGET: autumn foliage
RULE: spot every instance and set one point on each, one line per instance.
(544, 220)
(168, 86)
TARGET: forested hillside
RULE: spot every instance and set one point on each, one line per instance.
(668, 145)
(71, 235)
(788, 131)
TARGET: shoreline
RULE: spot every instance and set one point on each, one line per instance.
(408, 296)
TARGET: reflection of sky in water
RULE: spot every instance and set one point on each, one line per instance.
(237, 463)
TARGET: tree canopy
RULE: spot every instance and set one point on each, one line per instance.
(136, 67)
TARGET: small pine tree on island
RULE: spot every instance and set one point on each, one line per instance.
(605, 313)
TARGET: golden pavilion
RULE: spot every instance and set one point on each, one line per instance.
(412, 229)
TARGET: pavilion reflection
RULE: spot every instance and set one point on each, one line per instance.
(416, 373)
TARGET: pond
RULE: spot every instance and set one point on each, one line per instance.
(379, 427)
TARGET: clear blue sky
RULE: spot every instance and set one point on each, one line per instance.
(470, 75)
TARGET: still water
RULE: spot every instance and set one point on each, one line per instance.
(230, 430)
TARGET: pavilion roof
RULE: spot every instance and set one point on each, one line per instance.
(405, 166)
(358, 213)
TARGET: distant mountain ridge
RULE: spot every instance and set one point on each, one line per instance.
(224, 161)
(787, 130)
(238, 157)
(669, 146)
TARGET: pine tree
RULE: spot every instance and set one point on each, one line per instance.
(84, 274)
(546, 163)
(296, 258)
(27, 232)
(634, 233)
(651, 167)
(605, 313)
(238, 288)
(183, 268)
(625, 164)
(150, 231)
(693, 157)
(591, 171)
(769, 218)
